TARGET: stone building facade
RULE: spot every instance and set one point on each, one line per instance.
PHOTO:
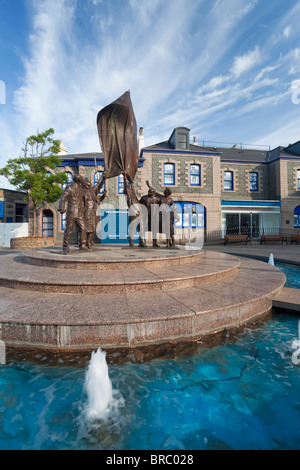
(13, 206)
(219, 190)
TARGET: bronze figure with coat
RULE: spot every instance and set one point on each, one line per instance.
(167, 214)
(71, 203)
(91, 202)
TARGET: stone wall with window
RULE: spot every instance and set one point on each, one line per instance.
(13, 206)
(182, 181)
(242, 181)
(293, 175)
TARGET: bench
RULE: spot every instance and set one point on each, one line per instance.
(295, 238)
(236, 238)
(273, 238)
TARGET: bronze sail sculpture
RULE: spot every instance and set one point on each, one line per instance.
(117, 131)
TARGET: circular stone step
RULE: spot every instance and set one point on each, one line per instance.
(15, 273)
(111, 258)
(68, 322)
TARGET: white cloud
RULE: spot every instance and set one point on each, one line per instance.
(287, 31)
(246, 9)
(265, 71)
(176, 60)
(246, 62)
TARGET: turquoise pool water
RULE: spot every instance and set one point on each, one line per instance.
(292, 273)
(242, 393)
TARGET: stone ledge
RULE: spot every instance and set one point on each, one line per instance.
(68, 321)
(132, 276)
(25, 243)
(106, 259)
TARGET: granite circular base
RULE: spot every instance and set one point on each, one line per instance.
(104, 258)
(130, 307)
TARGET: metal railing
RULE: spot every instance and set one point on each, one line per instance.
(254, 233)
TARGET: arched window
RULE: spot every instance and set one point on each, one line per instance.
(69, 181)
(297, 217)
(169, 174)
(97, 177)
(195, 175)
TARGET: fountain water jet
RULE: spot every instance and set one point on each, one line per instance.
(98, 387)
(2, 353)
(271, 259)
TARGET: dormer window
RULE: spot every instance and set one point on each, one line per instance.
(180, 138)
(182, 141)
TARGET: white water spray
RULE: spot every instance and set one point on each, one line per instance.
(2, 353)
(98, 387)
(271, 259)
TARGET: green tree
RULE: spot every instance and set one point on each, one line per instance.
(30, 172)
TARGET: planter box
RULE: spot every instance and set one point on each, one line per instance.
(27, 243)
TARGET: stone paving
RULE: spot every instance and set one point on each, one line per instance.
(283, 253)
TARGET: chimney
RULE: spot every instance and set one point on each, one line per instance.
(63, 150)
(141, 139)
(195, 141)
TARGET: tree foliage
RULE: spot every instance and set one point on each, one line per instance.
(31, 172)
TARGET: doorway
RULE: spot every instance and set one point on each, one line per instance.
(48, 229)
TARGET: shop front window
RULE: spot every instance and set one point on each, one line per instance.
(251, 224)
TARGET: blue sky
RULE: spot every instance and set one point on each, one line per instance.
(227, 69)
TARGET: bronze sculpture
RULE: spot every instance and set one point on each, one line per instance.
(71, 202)
(151, 201)
(135, 213)
(91, 203)
(167, 214)
(117, 131)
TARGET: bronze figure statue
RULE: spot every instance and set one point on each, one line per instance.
(135, 213)
(151, 201)
(71, 202)
(167, 214)
(91, 202)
